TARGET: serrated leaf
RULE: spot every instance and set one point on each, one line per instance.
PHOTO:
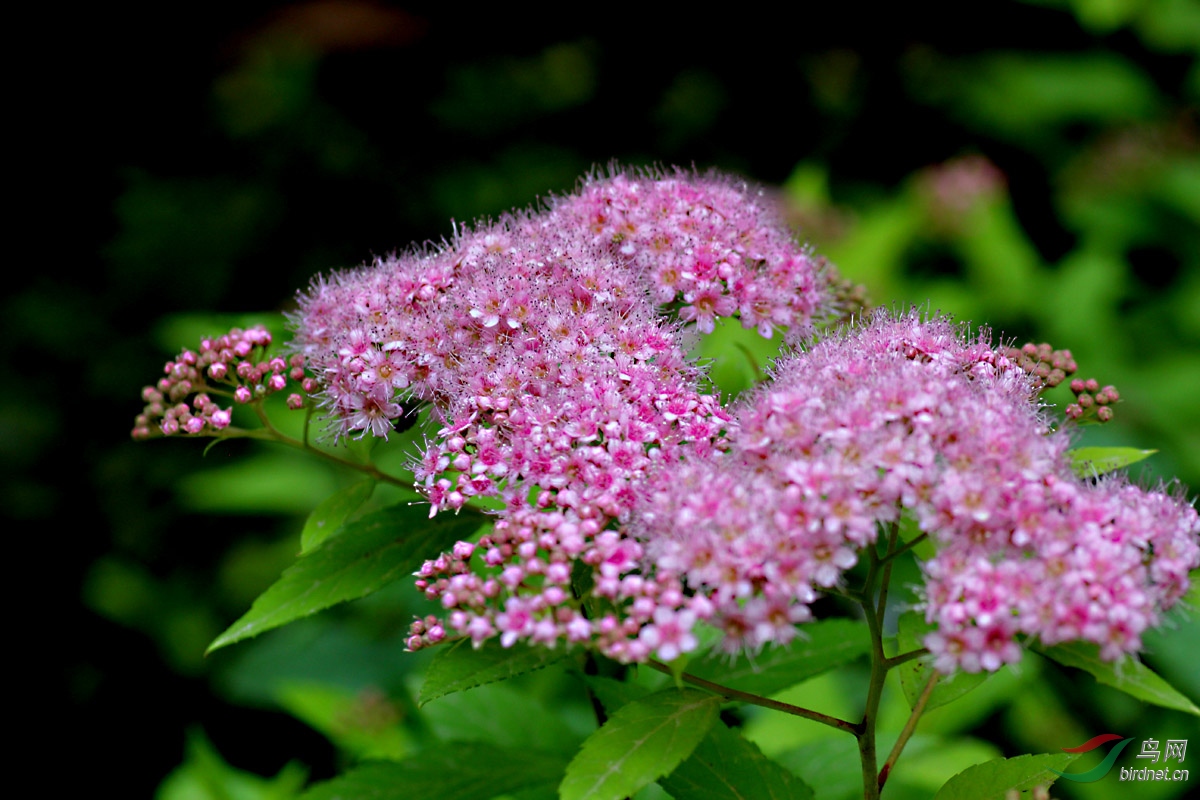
(1130, 676)
(914, 675)
(459, 666)
(724, 766)
(1087, 462)
(327, 518)
(641, 742)
(453, 771)
(369, 554)
(993, 779)
(824, 645)
(500, 714)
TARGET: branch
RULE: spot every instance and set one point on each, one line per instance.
(909, 727)
(895, 661)
(758, 700)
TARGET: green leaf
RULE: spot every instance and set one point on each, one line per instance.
(327, 518)
(1130, 676)
(993, 779)
(453, 771)
(725, 766)
(204, 775)
(505, 716)
(1087, 462)
(364, 724)
(641, 742)
(915, 674)
(460, 666)
(821, 646)
(830, 765)
(370, 553)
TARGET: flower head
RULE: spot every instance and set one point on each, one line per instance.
(905, 416)
(546, 347)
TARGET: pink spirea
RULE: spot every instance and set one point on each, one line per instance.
(548, 345)
(549, 348)
(906, 416)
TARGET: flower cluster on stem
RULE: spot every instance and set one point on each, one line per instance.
(549, 347)
(905, 416)
(633, 504)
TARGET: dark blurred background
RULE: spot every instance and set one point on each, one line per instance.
(1033, 166)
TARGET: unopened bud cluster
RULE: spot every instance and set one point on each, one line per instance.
(1051, 367)
(1090, 397)
(233, 366)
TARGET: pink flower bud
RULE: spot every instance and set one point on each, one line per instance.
(242, 395)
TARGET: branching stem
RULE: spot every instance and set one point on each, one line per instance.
(902, 658)
(270, 433)
(892, 555)
(758, 700)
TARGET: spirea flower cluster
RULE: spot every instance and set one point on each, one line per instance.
(635, 505)
(904, 416)
(548, 345)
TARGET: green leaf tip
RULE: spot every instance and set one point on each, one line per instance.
(1130, 676)
(368, 554)
(1087, 462)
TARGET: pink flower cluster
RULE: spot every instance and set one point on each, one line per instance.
(904, 416)
(634, 505)
(223, 366)
(560, 385)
